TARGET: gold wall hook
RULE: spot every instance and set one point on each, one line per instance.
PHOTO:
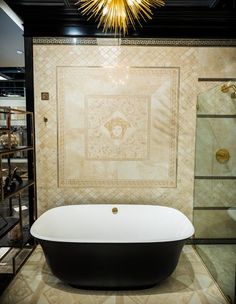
(222, 156)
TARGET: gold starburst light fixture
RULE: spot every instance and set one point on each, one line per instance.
(117, 15)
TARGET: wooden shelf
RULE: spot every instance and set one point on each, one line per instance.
(14, 150)
(24, 185)
(11, 222)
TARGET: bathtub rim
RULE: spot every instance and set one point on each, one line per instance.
(54, 239)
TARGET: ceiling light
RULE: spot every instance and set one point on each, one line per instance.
(117, 15)
(19, 52)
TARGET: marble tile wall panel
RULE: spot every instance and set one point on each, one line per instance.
(215, 223)
(214, 193)
(46, 60)
(220, 260)
(117, 126)
(213, 134)
(213, 101)
(217, 62)
(193, 63)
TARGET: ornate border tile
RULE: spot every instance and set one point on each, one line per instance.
(135, 42)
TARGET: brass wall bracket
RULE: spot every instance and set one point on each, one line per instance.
(225, 88)
(222, 156)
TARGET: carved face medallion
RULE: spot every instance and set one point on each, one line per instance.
(117, 127)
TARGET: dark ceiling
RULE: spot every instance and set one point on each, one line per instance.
(177, 19)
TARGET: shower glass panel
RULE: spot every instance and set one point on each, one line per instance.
(215, 185)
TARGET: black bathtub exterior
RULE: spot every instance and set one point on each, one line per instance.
(112, 265)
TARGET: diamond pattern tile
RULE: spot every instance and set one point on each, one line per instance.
(46, 60)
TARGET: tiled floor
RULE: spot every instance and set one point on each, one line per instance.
(190, 283)
(221, 262)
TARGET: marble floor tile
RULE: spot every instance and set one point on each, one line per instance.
(221, 262)
(190, 283)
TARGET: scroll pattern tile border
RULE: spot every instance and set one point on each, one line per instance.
(136, 42)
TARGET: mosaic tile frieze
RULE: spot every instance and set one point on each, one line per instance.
(135, 42)
(109, 135)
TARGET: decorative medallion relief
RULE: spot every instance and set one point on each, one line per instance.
(117, 126)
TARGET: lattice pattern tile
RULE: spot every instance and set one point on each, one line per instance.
(48, 57)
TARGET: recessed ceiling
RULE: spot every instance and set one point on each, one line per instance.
(177, 19)
(71, 3)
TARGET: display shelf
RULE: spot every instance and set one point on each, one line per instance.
(14, 150)
(16, 123)
(5, 242)
(16, 161)
(11, 222)
(14, 259)
(7, 110)
(23, 193)
(19, 188)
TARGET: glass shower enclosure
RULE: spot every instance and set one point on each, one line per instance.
(215, 183)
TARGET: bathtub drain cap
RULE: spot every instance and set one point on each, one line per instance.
(114, 210)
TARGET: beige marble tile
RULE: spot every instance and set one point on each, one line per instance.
(192, 62)
(190, 283)
(214, 224)
(109, 118)
(220, 260)
(214, 134)
(217, 62)
(46, 60)
(213, 101)
(214, 193)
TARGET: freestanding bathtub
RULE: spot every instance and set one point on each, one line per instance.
(112, 247)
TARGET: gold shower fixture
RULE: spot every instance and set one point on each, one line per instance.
(225, 88)
(117, 15)
(222, 156)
